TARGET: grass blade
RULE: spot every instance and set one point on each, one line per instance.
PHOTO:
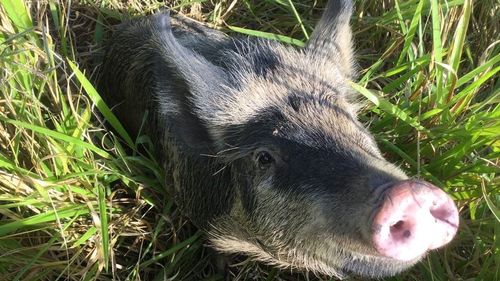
(18, 14)
(299, 19)
(267, 35)
(58, 135)
(49, 216)
(101, 105)
(389, 108)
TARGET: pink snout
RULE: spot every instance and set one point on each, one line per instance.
(414, 217)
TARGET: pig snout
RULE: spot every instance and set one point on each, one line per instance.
(414, 217)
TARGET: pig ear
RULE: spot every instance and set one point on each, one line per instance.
(188, 86)
(331, 39)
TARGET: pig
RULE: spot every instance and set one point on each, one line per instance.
(263, 150)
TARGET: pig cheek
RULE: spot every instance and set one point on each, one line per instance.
(342, 224)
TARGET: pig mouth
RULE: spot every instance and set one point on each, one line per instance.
(377, 266)
(353, 263)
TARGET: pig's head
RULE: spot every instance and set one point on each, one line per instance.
(309, 187)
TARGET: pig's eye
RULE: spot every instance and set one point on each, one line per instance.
(264, 159)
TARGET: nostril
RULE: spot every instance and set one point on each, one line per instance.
(443, 214)
(398, 225)
(440, 213)
(400, 230)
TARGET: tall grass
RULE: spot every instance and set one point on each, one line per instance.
(78, 202)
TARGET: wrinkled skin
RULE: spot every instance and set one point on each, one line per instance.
(260, 141)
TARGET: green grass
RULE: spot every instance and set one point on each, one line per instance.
(78, 202)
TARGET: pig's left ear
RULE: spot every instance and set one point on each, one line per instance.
(202, 78)
(196, 86)
(332, 37)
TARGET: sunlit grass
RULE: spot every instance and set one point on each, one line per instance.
(79, 201)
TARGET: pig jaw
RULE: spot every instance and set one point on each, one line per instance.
(312, 253)
(317, 243)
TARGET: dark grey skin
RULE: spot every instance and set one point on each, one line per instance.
(260, 141)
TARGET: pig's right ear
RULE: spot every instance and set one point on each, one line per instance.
(332, 36)
(189, 87)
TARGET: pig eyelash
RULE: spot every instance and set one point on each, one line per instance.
(220, 170)
(234, 153)
(221, 153)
